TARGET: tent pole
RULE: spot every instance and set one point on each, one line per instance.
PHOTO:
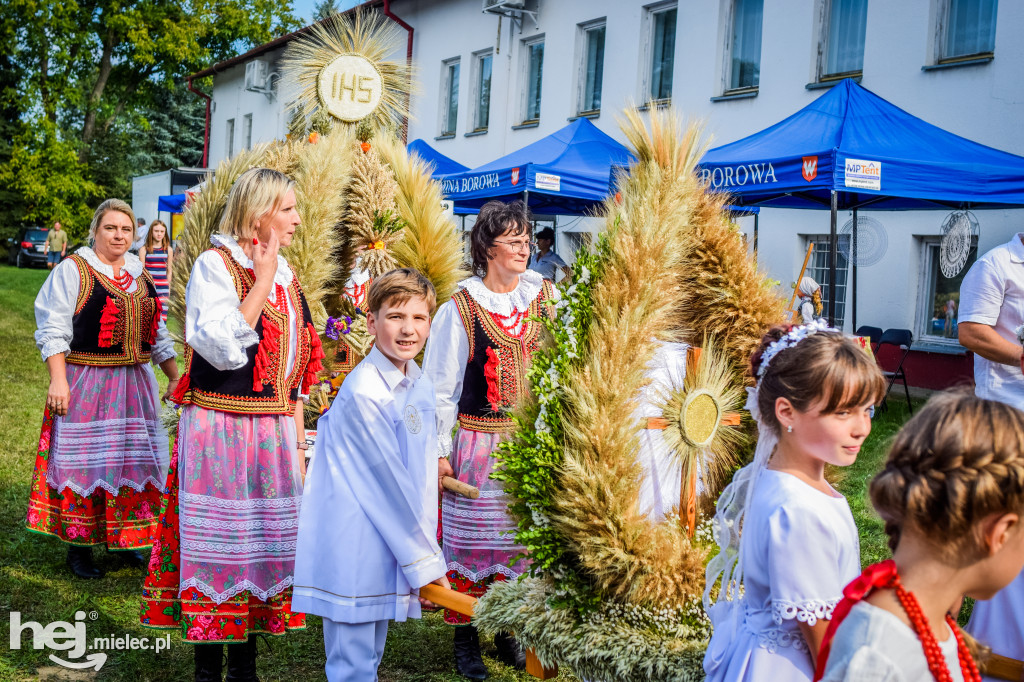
(853, 266)
(833, 243)
(756, 216)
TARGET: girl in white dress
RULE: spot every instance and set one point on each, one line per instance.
(951, 495)
(781, 577)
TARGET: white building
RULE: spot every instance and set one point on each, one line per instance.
(490, 84)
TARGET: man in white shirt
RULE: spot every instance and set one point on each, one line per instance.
(367, 537)
(544, 260)
(991, 311)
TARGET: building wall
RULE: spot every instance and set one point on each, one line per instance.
(982, 102)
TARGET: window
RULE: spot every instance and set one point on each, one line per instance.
(817, 269)
(450, 96)
(663, 50)
(534, 72)
(483, 91)
(970, 29)
(230, 134)
(843, 38)
(247, 131)
(940, 296)
(591, 68)
(744, 66)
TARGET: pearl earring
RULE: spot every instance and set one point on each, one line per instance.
(789, 429)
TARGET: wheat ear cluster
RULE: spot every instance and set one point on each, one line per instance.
(636, 303)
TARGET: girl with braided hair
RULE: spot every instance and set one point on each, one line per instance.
(781, 577)
(951, 495)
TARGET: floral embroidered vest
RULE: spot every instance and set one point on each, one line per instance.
(111, 326)
(498, 360)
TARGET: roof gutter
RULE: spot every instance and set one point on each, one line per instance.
(408, 60)
(206, 134)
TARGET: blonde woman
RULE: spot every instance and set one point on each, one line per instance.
(223, 561)
(102, 452)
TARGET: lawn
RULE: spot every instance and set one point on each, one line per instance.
(35, 582)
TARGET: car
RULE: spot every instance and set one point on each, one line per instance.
(29, 248)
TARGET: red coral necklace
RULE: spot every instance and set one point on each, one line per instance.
(932, 651)
(124, 280)
(510, 324)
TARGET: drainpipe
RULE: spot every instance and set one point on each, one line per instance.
(206, 135)
(408, 60)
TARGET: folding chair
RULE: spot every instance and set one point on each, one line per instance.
(902, 339)
(873, 333)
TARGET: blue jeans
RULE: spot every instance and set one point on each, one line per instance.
(53, 257)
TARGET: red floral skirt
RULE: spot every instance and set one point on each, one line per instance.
(123, 522)
(200, 619)
(474, 588)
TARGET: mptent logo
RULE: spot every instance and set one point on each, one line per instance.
(71, 637)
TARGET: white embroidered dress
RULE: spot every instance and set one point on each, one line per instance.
(801, 549)
(111, 436)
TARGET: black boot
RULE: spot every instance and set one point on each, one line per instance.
(510, 651)
(242, 662)
(135, 559)
(467, 653)
(209, 662)
(80, 562)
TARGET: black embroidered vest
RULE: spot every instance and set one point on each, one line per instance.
(496, 372)
(105, 335)
(234, 390)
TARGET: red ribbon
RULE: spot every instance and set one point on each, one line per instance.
(108, 320)
(179, 392)
(491, 374)
(877, 576)
(270, 343)
(158, 310)
(316, 354)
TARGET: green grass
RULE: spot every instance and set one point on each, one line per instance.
(35, 582)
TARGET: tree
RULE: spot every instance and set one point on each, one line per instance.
(324, 9)
(103, 80)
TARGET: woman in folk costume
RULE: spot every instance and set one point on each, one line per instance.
(810, 300)
(223, 559)
(102, 451)
(481, 342)
(788, 543)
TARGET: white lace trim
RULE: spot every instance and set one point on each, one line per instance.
(775, 638)
(471, 513)
(257, 503)
(809, 611)
(517, 300)
(283, 276)
(477, 576)
(158, 357)
(243, 548)
(221, 597)
(444, 445)
(245, 335)
(507, 534)
(53, 346)
(106, 485)
(132, 264)
(252, 524)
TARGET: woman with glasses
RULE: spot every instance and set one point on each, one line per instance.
(481, 342)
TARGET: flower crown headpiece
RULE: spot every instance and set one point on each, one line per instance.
(793, 337)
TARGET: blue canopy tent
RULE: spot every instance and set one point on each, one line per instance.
(172, 203)
(566, 173)
(851, 149)
(441, 163)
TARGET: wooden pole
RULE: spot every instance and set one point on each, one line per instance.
(796, 289)
(688, 494)
(460, 488)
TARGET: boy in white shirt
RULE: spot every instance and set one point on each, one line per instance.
(367, 530)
